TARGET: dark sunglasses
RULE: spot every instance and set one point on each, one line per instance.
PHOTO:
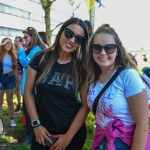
(109, 48)
(25, 37)
(70, 34)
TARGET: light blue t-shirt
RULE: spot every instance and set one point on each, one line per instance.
(7, 64)
(147, 84)
(113, 103)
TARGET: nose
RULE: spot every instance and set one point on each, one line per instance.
(72, 39)
(103, 51)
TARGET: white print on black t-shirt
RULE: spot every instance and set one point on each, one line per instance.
(56, 80)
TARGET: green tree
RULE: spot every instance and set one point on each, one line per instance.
(47, 5)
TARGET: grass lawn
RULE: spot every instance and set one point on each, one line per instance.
(13, 136)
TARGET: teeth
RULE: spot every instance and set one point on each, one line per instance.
(103, 58)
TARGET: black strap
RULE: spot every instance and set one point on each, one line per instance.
(145, 81)
(105, 87)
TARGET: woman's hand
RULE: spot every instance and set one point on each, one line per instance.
(62, 142)
(4, 43)
(40, 134)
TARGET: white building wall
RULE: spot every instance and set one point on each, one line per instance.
(17, 15)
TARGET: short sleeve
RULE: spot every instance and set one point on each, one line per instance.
(133, 82)
(34, 63)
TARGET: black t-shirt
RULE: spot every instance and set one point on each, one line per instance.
(56, 102)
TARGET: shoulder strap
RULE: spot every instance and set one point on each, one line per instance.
(145, 81)
(105, 87)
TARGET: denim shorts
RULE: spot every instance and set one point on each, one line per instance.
(8, 81)
(119, 145)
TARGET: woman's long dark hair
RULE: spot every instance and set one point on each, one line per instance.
(77, 68)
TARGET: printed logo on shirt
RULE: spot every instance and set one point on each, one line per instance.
(56, 80)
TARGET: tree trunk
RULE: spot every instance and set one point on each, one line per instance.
(48, 23)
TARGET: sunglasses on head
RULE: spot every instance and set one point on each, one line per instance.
(109, 48)
(70, 34)
(28, 29)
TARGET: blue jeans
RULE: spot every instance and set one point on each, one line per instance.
(119, 145)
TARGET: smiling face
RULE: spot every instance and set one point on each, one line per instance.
(103, 59)
(8, 45)
(69, 45)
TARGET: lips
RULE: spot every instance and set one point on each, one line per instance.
(68, 45)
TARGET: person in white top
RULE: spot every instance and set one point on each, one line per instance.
(123, 108)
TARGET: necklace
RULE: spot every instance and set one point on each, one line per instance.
(63, 61)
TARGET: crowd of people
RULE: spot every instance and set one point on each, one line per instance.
(58, 85)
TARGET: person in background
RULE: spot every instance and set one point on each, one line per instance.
(33, 45)
(18, 43)
(146, 80)
(89, 26)
(58, 75)
(43, 36)
(9, 76)
(146, 71)
(120, 124)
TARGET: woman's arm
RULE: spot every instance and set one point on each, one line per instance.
(139, 109)
(25, 59)
(81, 115)
(77, 122)
(40, 132)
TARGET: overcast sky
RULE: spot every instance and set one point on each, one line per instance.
(131, 20)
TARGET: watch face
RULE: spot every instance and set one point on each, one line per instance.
(35, 123)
